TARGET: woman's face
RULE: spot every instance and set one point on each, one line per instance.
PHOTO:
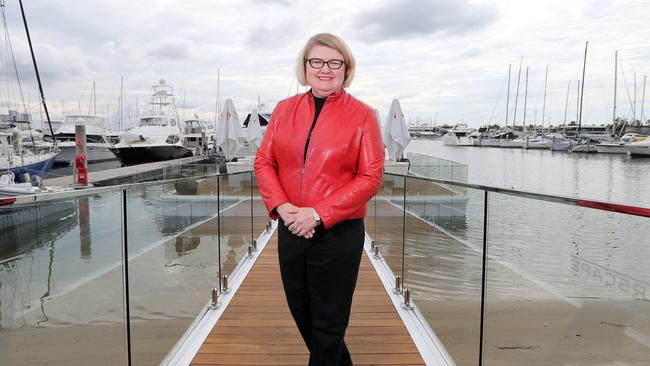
(324, 81)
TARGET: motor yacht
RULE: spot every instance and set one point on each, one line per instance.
(97, 143)
(459, 135)
(158, 135)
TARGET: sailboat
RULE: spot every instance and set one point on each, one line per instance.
(586, 144)
(15, 158)
(616, 147)
(513, 142)
(541, 141)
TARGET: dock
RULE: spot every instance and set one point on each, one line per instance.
(257, 329)
(129, 174)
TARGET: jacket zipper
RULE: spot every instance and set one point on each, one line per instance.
(306, 153)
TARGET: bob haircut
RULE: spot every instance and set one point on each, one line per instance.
(333, 42)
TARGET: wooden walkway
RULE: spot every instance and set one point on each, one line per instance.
(257, 328)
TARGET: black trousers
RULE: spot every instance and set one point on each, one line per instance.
(319, 276)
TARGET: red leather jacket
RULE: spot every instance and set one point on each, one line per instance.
(344, 164)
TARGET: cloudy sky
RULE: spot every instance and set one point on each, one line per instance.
(444, 59)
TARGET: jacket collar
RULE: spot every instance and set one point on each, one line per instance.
(332, 97)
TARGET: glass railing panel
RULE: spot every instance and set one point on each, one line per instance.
(235, 225)
(61, 288)
(260, 215)
(443, 263)
(387, 216)
(459, 173)
(173, 261)
(567, 285)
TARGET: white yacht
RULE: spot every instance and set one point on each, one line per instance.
(516, 143)
(195, 131)
(559, 142)
(158, 135)
(97, 143)
(618, 147)
(493, 138)
(639, 148)
(539, 142)
(459, 135)
(584, 145)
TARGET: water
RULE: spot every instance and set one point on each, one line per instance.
(64, 272)
(61, 273)
(564, 284)
(609, 177)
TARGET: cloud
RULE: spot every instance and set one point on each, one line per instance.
(174, 49)
(412, 18)
(273, 2)
(270, 36)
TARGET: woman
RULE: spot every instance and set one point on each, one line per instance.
(321, 160)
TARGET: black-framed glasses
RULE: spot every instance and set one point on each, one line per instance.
(318, 63)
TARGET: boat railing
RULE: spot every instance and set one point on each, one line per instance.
(116, 275)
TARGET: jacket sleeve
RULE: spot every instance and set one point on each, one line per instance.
(364, 185)
(266, 169)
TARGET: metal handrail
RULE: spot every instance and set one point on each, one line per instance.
(573, 201)
(27, 200)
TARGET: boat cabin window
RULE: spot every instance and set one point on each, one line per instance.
(156, 121)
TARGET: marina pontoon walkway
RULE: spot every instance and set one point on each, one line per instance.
(257, 329)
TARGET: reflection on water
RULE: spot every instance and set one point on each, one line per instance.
(553, 271)
(63, 270)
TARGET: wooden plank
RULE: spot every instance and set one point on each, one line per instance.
(257, 328)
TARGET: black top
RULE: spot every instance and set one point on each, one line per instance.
(319, 103)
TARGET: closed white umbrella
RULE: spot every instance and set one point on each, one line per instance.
(254, 131)
(228, 130)
(396, 132)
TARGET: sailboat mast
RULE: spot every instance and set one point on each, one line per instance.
(508, 94)
(514, 118)
(121, 101)
(634, 107)
(544, 103)
(566, 105)
(38, 76)
(582, 88)
(615, 87)
(525, 102)
(642, 99)
(577, 104)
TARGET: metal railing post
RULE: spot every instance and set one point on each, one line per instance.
(398, 285)
(224, 287)
(219, 228)
(215, 298)
(483, 278)
(407, 299)
(125, 276)
(375, 251)
(404, 230)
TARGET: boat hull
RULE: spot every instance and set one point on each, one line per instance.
(41, 164)
(638, 150)
(584, 148)
(133, 155)
(95, 153)
(611, 149)
(450, 140)
(514, 144)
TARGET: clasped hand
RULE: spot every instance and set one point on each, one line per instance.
(299, 220)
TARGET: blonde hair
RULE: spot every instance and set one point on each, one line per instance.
(334, 42)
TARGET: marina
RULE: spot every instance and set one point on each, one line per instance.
(133, 230)
(180, 249)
